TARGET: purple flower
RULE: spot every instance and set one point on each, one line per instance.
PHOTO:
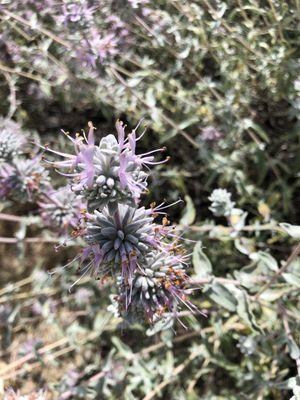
(97, 47)
(61, 208)
(30, 346)
(76, 11)
(118, 241)
(210, 134)
(109, 173)
(24, 180)
(157, 287)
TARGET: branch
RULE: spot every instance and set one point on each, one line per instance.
(291, 258)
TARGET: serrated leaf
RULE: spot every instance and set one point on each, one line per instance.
(201, 263)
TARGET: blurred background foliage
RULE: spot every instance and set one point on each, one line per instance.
(218, 84)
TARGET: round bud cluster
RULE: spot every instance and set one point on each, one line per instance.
(11, 140)
(156, 288)
(221, 203)
(124, 237)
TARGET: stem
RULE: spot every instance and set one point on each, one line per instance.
(204, 281)
(12, 218)
(291, 258)
(227, 229)
(40, 29)
(290, 336)
(164, 117)
(7, 240)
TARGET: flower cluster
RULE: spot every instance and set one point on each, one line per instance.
(21, 178)
(107, 174)
(24, 179)
(123, 241)
(221, 204)
(61, 208)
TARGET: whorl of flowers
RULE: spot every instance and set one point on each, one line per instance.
(158, 287)
(108, 173)
(76, 12)
(11, 140)
(221, 204)
(23, 180)
(123, 241)
(210, 134)
(122, 238)
(61, 208)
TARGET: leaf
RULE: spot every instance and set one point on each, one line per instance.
(221, 295)
(161, 325)
(201, 263)
(274, 294)
(123, 349)
(267, 260)
(292, 279)
(188, 122)
(189, 212)
(244, 245)
(248, 123)
(293, 349)
(101, 320)
(244, 311)
(292, 230)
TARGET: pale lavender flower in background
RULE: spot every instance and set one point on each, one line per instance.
(83, 296)
(24, 180)
(10, 394)
(61, 208)
(117, 26)
(210, 134)
(97, 47)
(30, 346)
(76, 11)
(69, 385)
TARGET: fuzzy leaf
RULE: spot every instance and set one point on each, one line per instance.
(189, 213)
(292, 230)
(222, 296)
(201, 263)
